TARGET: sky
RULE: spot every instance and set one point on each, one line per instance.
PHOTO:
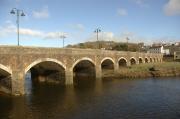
(148, 21)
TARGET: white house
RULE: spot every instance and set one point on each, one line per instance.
(177, 44)
(177, 55)
(159, 49)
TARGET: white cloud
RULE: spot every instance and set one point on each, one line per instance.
(17, 1)
(79, 27)
(172, 8)
(43, 13)
(9, 28)
(6, 29)
(31, 32)
(8, 22)
(141, 3)
(122, 37)
(103, 36)
(107, 36)
(122, 12)
(55, 35)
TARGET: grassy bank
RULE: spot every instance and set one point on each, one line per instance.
(146, 70)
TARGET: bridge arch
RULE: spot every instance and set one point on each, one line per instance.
(83, 69)
(133, 61)
(140, 60)
(107, 58)
(154, 59)
(5, 69)
(122, 62)
(82, 59)
(45, 70)
(146, 60)
(151, 59)
(5, 79)
(107, 63)
(157, 60)
(43, 60)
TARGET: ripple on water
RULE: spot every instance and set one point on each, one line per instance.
(112, 99)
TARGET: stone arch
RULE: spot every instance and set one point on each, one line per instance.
(107, 58)
(161, 59)
(107, 63)
(154, 60)
(140, 60)
(82, 59)
(157, 60)
(5, 79)
(122, 62)
(151, 59)
(6, 69)
(133, 61)
(84, 69)
(44, 70)
(146, 60)
(43, 60)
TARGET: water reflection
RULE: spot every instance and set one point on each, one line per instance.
(107, 99)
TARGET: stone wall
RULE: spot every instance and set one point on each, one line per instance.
(20, 59)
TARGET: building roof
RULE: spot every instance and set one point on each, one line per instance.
(153, 47)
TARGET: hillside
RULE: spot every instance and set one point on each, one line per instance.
(111, 45)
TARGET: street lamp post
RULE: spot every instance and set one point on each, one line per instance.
(18, 12)
(127, 43)
(62, 36)
(97, 31)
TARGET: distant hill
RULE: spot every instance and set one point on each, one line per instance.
(111, 45)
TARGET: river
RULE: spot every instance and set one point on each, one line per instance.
(108, 99)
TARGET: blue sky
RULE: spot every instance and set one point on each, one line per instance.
(141, 20)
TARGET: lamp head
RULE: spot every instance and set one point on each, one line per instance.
(22, 14)
(12, 11)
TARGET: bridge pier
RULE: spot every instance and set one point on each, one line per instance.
(128, 63)
(98, 72)
(116, 67)
(18, 83)
(69, 77)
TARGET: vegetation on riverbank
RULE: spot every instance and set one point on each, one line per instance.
(146, 70)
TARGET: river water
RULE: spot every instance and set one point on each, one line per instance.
(108, 99)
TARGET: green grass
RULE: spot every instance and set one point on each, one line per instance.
(157, 66)
(142, 70)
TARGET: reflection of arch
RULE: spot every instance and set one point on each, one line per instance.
(146, 60)
(133, 61)
(83, 59)
(107, 63)
(44, 60)
(122, 61)
(140, 60)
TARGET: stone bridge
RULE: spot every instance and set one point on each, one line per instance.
(15, 62)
